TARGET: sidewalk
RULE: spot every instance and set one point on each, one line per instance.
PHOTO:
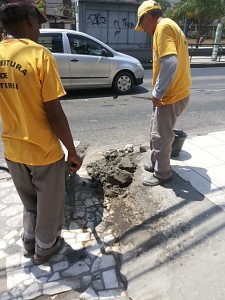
(176, 250)
(88, 267)
(202, 163)
(206, 62)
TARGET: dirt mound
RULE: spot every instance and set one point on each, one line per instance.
(114, 172)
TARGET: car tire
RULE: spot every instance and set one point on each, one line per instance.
(123, 82)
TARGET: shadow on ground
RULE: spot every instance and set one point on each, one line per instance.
(162, 230)
(96, 93)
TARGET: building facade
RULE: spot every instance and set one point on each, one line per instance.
(60, 14)
(63, 13)
(111, 21)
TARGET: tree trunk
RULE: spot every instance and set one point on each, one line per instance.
(217, 41)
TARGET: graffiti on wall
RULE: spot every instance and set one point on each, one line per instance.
(97, 19)
(116, 22)
(125, 24)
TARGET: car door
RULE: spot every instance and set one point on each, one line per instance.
(54, 41)
(88, 67)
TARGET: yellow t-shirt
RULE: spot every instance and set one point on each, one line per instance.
(28, 78)
(170, 39)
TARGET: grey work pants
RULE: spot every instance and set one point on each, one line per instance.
(161, 136)
(42, 191)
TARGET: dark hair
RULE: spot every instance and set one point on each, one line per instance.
(156, 13)
(14, 15)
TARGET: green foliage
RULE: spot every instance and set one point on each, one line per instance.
(198, 10)
(192, 35)
(165, 5)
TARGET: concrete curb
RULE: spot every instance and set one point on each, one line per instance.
(210, 64)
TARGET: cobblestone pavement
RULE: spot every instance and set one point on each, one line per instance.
(86, 268)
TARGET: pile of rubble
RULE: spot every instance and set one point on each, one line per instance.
(114, 172)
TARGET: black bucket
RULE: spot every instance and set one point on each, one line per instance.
(179, 138)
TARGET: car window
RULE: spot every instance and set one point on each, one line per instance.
(83, 45)
(52, 41)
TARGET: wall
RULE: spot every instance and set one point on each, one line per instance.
(113, 23)
(57, 17)
(52, 7)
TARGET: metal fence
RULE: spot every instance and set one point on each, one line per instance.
(207, 50)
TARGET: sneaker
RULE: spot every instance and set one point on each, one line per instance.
(149, 167)
(153, 180)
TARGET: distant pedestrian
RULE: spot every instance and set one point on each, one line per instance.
(171, 86)
(200, 40)
(33, 123)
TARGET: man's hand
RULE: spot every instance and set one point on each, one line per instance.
(157, 102)
(74, 163)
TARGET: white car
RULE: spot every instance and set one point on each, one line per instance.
(85, 62)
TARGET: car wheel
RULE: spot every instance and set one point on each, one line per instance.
(123, 82)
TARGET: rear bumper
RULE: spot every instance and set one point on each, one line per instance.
(138, 81)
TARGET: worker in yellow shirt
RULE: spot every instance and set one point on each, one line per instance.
(171, 82)
(33, 124)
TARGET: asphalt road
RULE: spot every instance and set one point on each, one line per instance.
(106, 120)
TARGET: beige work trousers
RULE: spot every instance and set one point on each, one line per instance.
(42, 192)
(161, 136)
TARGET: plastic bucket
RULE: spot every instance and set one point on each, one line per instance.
(179, 138)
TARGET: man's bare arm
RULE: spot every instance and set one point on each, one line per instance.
(60, 126)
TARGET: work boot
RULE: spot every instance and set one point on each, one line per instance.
(152, 180)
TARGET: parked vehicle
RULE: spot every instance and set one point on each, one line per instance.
(85, 62)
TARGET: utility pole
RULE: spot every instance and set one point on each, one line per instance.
(217, 41)
(186, 26)
(75, 14)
